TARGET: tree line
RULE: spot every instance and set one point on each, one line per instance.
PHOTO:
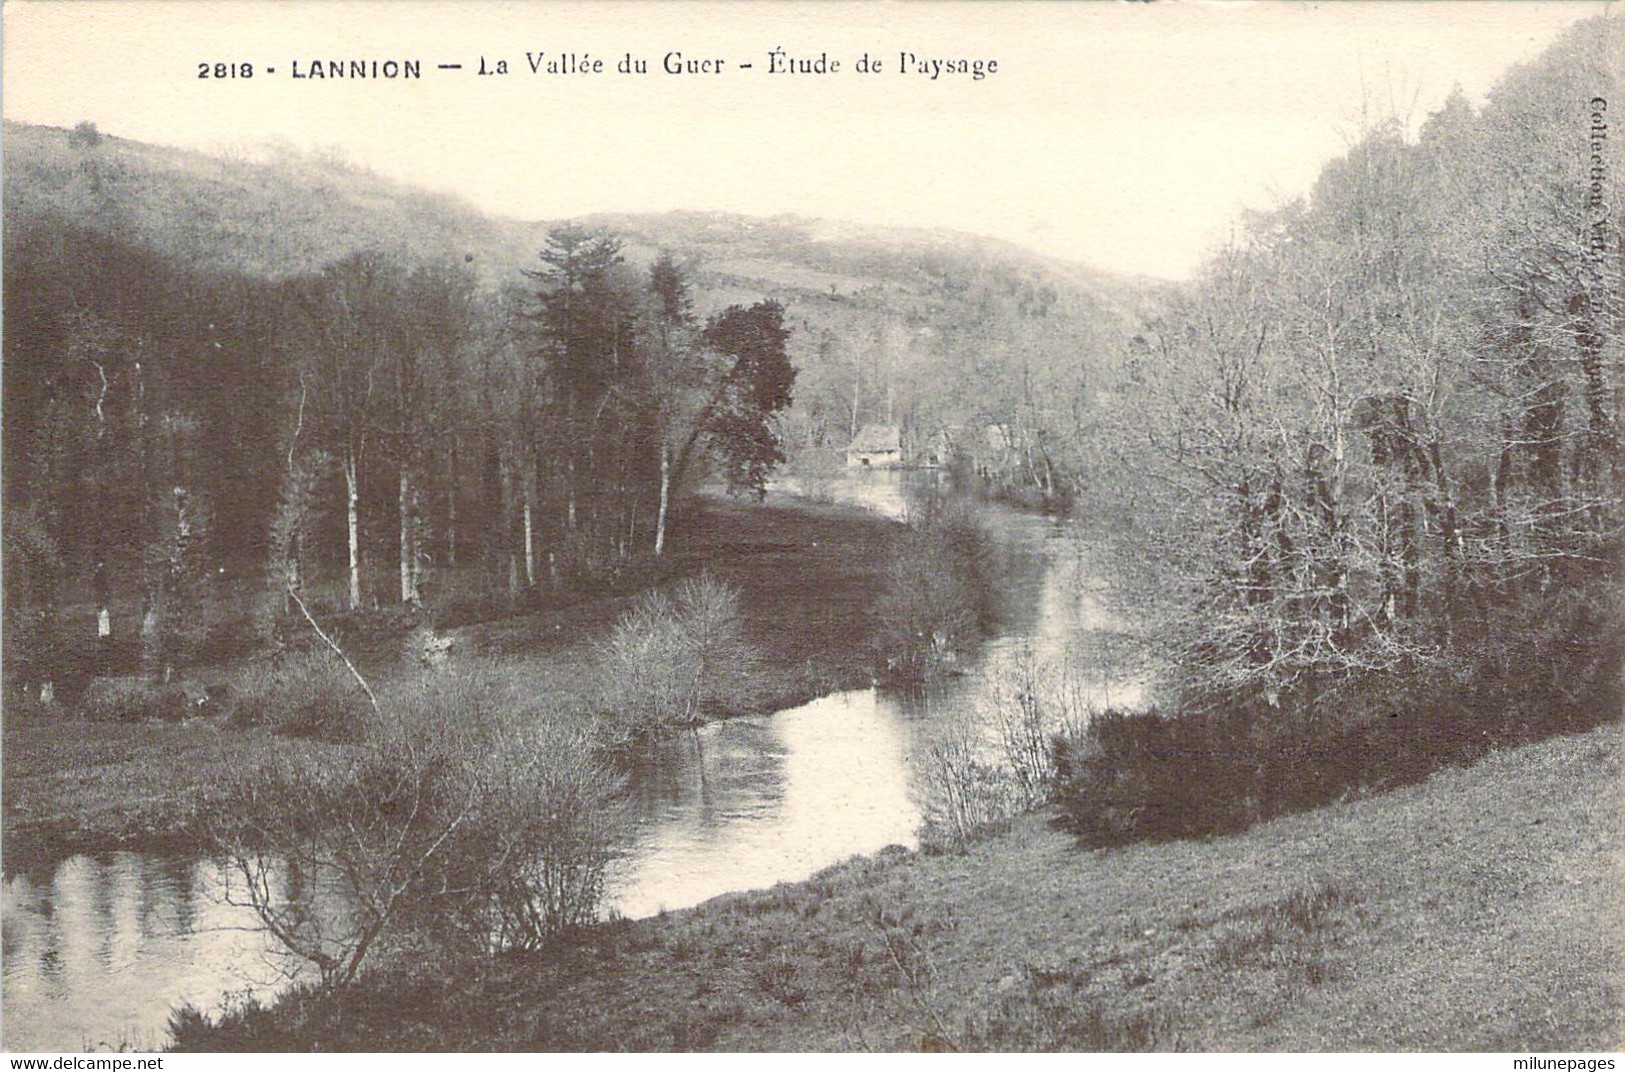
(356, 437)
(1379, 433)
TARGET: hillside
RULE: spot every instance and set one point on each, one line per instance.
(927, 329)
(1475, 912)
(281, 214)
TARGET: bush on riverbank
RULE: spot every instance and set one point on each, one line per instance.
(938, 592)
(671, 658)
(1551, 669)
(982, 770)
(964, 793)
(458, 826)
(549, 817)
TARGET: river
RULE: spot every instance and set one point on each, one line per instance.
(98, 948)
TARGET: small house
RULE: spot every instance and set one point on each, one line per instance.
(877, 446)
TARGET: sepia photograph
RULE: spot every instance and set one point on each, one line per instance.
(813, 527)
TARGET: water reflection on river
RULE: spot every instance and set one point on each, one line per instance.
(97, 949)
(748, 803)
(752, 802)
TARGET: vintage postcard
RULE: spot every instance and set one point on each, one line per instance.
(813, 527)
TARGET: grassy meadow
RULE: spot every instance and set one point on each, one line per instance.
(808, 575)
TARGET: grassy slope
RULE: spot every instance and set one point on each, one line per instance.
(809, 575)
(1477, 911)
(275, 216)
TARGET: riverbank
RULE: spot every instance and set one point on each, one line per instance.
(1476, 911)
(809, 575)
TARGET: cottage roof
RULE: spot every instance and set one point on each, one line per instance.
(877, 439)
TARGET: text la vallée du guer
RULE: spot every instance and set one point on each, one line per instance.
(777, 62)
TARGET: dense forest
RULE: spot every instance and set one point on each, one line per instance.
(1367, 470)
(350, 436)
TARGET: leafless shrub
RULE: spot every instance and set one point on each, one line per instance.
(459, 821)
(963, 791)
(983, 768)
(937, 592)
(300, 694)
(133, 699)
(1033, 700)
(548, 829)
(672, 656)
(328, 849)
(909, 956)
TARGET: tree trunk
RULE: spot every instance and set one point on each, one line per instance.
(405, 541)
(104, 618)
(1501, 484)
(151, 655)
(1599, 444)
(857, 386)
(354, 515)
(665, 498)
(104, 622)
(530, 545)
(631, 538)
(409, 577)
(294, 578)
(451, 510)
(149, 524)
(1450, 524)
(570, 481)
(509, 527)
(492, 515)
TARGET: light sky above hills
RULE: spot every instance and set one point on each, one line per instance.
(1126, 136)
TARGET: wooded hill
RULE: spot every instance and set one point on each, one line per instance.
(270, 361)
(930, 330)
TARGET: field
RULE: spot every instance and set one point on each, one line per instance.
(809, 574)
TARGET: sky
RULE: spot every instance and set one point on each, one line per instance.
(1124, 135)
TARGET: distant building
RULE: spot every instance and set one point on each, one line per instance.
(878, 446)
